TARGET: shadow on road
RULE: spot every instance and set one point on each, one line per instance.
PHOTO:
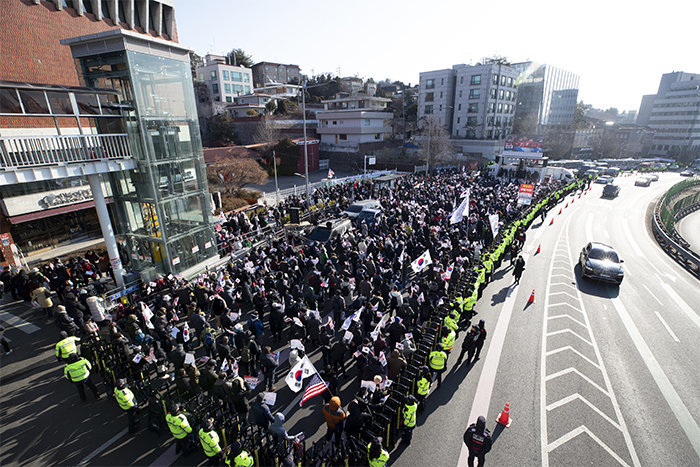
(497, 430)
(450, 385)
(593, 287)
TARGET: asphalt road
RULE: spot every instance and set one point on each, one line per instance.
(689, 228)
(594, 374)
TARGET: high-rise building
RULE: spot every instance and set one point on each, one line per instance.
(99, 134)
(225, 82)
(673, 113)
(268, 72)
(547, 96)
(470, 101)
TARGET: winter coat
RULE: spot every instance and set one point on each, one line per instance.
(333, 413)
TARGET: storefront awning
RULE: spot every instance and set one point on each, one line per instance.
(32, 216)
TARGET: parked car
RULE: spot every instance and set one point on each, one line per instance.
(601, 262)
(653, 177)
(329, 230)
(611, 190)
(355, 208)
(642, 181)
(370, 216)
(604, 179)
(687, 173)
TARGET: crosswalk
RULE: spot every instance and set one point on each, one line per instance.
(10, 320)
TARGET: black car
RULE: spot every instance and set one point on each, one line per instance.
(600, 261)
(611, 190)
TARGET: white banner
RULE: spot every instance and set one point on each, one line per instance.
(493, 220)
(461, 211)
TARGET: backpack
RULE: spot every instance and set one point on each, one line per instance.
(208, 337)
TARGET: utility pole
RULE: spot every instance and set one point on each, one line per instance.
(306, 149)
(277, 189)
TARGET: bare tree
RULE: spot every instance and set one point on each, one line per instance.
(266, 131)
(230, 175)
(435, 147)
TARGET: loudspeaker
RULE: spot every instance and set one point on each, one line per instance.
(295, 215)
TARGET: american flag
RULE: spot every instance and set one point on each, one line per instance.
(316, 386)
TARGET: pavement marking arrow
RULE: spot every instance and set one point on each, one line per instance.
(568, 347)
(575, 371)
(567, 316)
(578, 396)
(580, 430)
(564, 304)
(562, 331)
(564, 293)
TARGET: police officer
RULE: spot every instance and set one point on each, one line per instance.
(437, 360)
(448, 339)
(126, 401)
(377, 456)
(479, 343)
(451, 321)
(469, 344)
(77, 371)
(478, 440)
(409, 418)
(425, 379)
(240, 456)
(179, 426)
(210, 441)
(66, 346)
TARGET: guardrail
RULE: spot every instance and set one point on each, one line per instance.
(35, 151)
(669, 239)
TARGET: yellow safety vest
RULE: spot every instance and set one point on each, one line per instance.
(437, 360)
(488, 264)
(409, 415)
(210, 442)
(77, 371)
(448, 341)
(178, 424)
(451, 323)
(379, 461)
(423, 386)
(242, 460)
(125, 398)
(66, 347)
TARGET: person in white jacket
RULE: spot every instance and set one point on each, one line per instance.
(96, 305)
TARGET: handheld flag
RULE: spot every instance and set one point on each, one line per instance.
(297, 374)
(316, 386)
(421, 262)
(459, 213)
(331, 174)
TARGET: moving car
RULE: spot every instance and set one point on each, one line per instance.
(686, 173)
(653, 177)
(642, 181)
(356, 208)
(600, 261)
(329, 230)
(604, 179)
(611, 190)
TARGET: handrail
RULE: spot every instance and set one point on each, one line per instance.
(18, 152)
(685, 257)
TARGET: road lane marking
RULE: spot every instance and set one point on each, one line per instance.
(679, 409)
(653, 294)
(482, 397)
(582, 429)
(563, 331)
(578, 396)
(168, 458)
(663, 321)
(569, 317)
(103, 447)
(568, 347)
(16, 322)
(563, 304)
(563, 293)
(682, 305)
(575, 371)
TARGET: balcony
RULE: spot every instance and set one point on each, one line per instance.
(39, 151)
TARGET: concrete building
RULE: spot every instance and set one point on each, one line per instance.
(99, 133)
(344, 101)
(269, 72)
(225, 82)
(674, 116)
(547, 95)
(279, 90)
(351, 130)
(436, 97)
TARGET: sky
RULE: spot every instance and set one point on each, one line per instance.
(619, 48)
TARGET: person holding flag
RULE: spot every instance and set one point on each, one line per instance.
(331, 174)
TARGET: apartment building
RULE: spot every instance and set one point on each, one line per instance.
(225, 82)
(436, 96)
(269, 72)
(351, 123)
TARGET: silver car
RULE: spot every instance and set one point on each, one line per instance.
(600, 261)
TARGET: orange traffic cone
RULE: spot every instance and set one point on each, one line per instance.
(572, 200)
(551, 222)
(579, 195)
(559, 210)
(505, 419)
(538, 249)
(532, 297)
(567, 205)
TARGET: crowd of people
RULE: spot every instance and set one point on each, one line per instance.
(354, 305)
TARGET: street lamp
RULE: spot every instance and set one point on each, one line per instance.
(306, 149)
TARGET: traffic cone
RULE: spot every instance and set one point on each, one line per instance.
(538, 249)
(559, 210)
(532, 297)
(579, 195)
(551, 222)
(505, 419)
(572, 200)
(567, 205)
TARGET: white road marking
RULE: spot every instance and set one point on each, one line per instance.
(168, 458)
(575, 371)
(679, 409)
(569, 317)
(568, 347)
(578, 396)
(563, 331)
(632, 241)
(563, 304)
(582, 429)
(482, 397)
(103, 447)
(653, 295)
(682, 305)
(663, 321)
(16, 322)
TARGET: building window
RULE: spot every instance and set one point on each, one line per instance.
(492, 107)
(493, 93)
(489, 121)
(459, 107)
(235, 76)
(440, 107)
(458, 121)
(429, 84)
(489, 134)
(474, 93)
(476, 80)
(237, 89)
(442, 81)
(335, 122)
(495, 79)
(215, 88)
(504, 79)
(229, 99)
(510, 82)
(429, 97)
(246, 78)
(267, 68)
(460, 93)
(366, 122)
(227, 88)
(461, 80)
(213, 75)
(225, 73)
(473, 107)
(247, 89)
(343, 137)
(498, 121)
(501, 94)
(428, 109)
(500, 108)
(440, 94)
(377, 136)
(472, 121)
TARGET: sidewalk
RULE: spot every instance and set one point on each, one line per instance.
(62, 250)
